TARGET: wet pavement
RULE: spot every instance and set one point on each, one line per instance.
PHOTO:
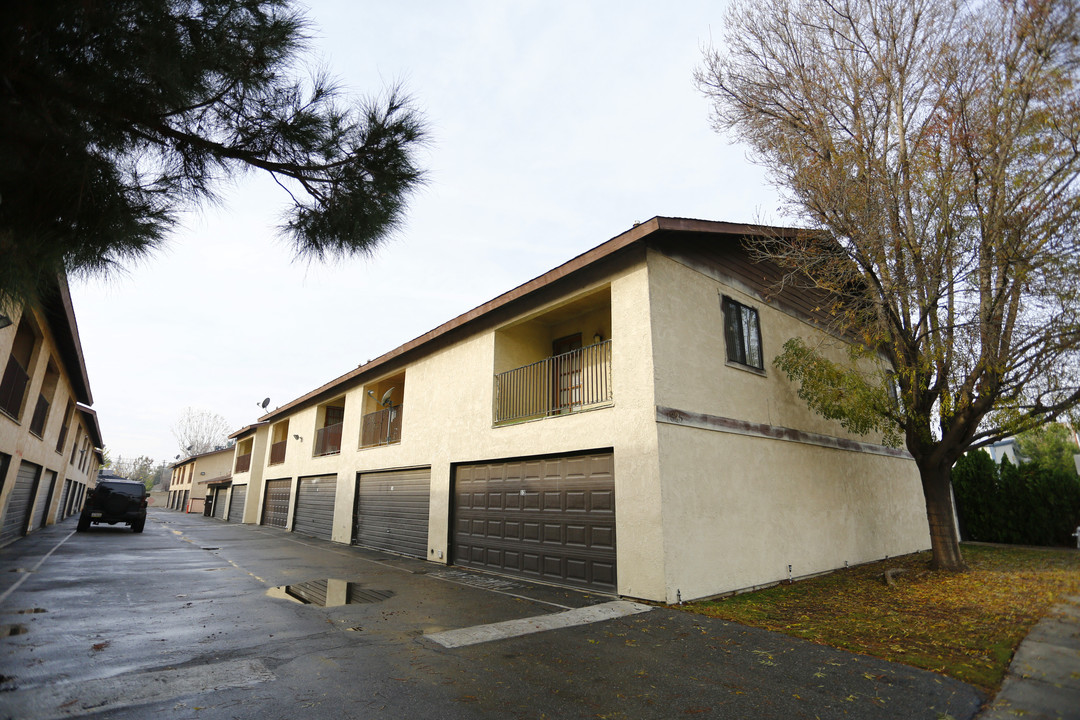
(196, 618)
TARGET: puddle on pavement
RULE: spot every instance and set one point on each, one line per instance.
(329, 593)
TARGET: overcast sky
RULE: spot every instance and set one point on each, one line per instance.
(555, 126)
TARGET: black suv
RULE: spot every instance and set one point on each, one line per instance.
(115, 501)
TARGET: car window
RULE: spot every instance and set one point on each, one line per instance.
(124, 488)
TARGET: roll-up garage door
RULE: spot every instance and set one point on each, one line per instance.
(392, 511)
(315, 506)
(41, 505)
(61, 510)
(236, 503)
(276, 503)
(549, 518)
(20, 503)
(221, 495)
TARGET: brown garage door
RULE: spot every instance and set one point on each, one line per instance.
(314, 514)
(276, 503)
(552, 519)
(391, 511)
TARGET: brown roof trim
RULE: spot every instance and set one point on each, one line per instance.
(200, 456)
(60, 312)
(638, 233)
(92, 427)
(246, 430)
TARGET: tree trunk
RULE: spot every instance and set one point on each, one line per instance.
(944, 540)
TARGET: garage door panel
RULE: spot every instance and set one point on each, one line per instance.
(20, 502)
(237, 502)
(315, 501)
(391, 511)
(555, 520)
(276, 503)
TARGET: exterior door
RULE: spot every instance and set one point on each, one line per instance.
(276, 503)
(550, 518)
(391, 511)
(567, 371)
(314, 514)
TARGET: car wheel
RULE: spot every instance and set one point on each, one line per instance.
(84, 524)
(137, 526)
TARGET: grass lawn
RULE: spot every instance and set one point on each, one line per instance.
(964, 625)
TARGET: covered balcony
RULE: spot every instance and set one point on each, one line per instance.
(555, 363)
(383, 411)
(328, 428)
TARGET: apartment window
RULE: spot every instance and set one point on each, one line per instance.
(742, 334)
(17, 373)
(64, 428)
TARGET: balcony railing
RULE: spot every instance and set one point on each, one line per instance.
(277, 452)
(382, 427)
(570, 382)
(243, 463)
(328, 440)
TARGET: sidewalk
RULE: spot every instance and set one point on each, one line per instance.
(1043, 681)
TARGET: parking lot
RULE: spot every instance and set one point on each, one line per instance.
(199, 618)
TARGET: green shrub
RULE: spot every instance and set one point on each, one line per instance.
(1029, 504)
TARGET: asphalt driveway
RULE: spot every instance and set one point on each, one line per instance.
(192, 618)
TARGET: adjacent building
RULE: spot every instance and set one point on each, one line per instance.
(614, 424)
(195, 481)
(50, 440)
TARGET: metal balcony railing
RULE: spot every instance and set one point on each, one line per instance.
(277, 452)
(382, 427)
(570, 382)
(328, 440)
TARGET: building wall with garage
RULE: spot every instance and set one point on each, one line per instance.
(447, 399)
(722, 477)
(50, 440)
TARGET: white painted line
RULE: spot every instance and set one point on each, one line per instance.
(72, 699)
(555, 621)
(34, 569)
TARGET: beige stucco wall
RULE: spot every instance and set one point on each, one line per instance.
(698, 511)
(738, 509)
(17, 441)
(447, 418)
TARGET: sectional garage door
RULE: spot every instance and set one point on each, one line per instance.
(276, 503)
(20, 502)
(41, 505)
(221, 494)
(551, 518)
(315, 506)
(236, 503)
(392, 511)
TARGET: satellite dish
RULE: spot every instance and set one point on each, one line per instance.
(264, 403)
(386, 396)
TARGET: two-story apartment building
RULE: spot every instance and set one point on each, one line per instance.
(614, 424)
(50, 440)
(195, 479)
